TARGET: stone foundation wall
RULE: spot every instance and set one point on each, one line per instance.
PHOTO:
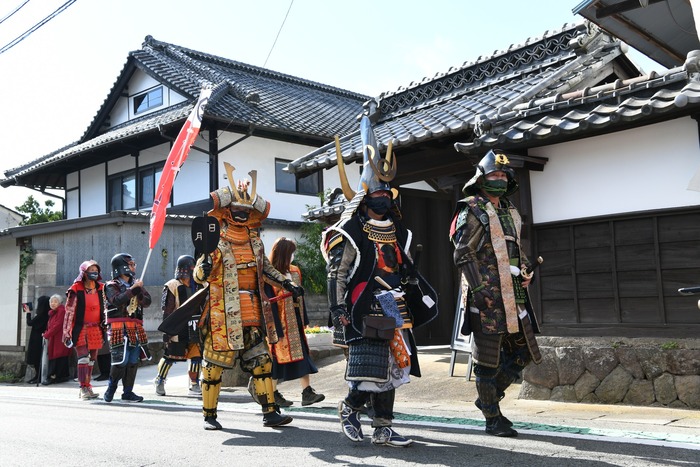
(649, 372)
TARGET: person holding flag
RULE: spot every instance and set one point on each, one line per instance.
(125, 299)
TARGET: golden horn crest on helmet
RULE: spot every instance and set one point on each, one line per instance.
(348, 192)
(384, 167)
(240, 189)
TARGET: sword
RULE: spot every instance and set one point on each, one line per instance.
(277, 298)
(689, 290)
(528, 272)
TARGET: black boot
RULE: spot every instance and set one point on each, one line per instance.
(496, 426)
(274, 418)
(477, 403)
(210, 423)
(104, 362)
(309, 396)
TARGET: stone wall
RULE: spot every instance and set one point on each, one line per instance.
(317, 309)
(649, 372)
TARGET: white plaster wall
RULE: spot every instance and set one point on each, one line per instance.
(72, 180)
(635, 170)
(270, 233)
(9, 218)
(192, 183)
(140, 81)
(9, 307)
(259, 154)
(120, 165)
(93, 195)
(155, 154)
(72, 204)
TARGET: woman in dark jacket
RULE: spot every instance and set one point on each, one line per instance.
(35, 345)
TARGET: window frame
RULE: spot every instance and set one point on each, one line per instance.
(137, 175)
(297, 182)
(146, 95)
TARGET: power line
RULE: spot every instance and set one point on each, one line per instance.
(15, 11)
(279, 32)
(25, 34)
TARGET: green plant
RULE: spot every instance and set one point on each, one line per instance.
(308, 254)
(670, 345)
(36, 214)
(309, 259)
(26, 258)
(7, 377)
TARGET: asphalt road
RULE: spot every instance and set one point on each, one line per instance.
(40, 426)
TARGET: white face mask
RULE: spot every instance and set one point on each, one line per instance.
(292, 260)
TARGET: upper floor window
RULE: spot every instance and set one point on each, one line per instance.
(133, 189)
(148, 100)
(288, 183)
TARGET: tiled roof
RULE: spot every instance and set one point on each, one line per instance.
(448, 104)
(593, 110)
(251, 97)
(257, 96)
(118, 133)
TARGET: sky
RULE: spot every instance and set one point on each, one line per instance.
(53, 82)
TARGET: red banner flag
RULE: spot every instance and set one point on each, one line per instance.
(177, 156)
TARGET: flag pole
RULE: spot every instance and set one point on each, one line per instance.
(145, 265)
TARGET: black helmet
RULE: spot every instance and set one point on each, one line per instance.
(120, 265)
(493, 161)
(185, 266)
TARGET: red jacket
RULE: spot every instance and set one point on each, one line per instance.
(54, 333)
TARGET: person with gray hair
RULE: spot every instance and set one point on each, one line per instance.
(58, 370)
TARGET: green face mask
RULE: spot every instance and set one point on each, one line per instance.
(495, 187)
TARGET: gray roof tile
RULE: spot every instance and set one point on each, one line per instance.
(676, 92)
(559, 61)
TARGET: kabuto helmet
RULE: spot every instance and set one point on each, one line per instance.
(185, 266)
(377, 170)
(493, 161)
(237, 199)
(120, 265)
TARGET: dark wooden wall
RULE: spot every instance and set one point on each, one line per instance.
(620, 275)
(428, 216)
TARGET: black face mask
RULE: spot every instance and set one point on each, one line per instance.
(240, 216)
(380, 204)
(93, 275)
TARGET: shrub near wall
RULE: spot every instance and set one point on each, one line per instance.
(607, 371)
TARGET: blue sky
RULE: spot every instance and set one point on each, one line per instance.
(53, 82)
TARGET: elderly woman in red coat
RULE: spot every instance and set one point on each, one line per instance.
(58, 352)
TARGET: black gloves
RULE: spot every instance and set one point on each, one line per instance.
(337, 311)
(296, 290)
(206, 270)
(136, 291)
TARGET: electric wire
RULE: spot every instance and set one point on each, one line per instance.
(29, 31)
(13, 12)
(279, 31)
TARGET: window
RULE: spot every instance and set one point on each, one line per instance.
(288, 183)
(148, 178)
(148, 100)
(123, 190)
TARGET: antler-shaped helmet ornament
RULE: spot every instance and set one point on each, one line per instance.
(377, 171)
(237, 195)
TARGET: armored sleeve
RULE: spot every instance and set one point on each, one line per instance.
(467, 241)
(167, 302)
(341, 257)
